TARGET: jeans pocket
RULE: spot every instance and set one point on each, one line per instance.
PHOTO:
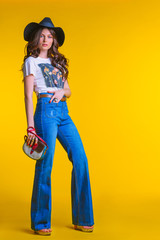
(50, 110)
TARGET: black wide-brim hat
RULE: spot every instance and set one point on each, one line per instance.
(46, 22)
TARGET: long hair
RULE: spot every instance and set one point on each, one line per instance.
(58, 60)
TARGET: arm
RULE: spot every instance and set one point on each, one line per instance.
(62, 92)
(67, 91)
(28, 94)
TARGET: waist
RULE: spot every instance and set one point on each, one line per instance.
(40, 95)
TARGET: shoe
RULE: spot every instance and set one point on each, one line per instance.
(84, 228)
(43, 232)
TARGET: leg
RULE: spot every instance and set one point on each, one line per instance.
(41, 195)
(82, 209)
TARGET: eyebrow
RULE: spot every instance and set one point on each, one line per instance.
(44, 34)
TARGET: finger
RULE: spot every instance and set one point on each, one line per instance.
(55, 100)
(29, 141)
(30, 136)
(36, 141)
(32, 141)
(58, 101)
(51, 91)
(52, 99)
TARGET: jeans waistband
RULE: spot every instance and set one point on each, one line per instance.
(41, 94)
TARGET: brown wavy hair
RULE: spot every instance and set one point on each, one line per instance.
(31, 49)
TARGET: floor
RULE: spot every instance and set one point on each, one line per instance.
(116, 218)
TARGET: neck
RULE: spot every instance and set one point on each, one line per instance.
(43, 54)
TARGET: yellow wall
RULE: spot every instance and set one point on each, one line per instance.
(114, 52)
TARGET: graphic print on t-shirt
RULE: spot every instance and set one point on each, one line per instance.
(52, 75)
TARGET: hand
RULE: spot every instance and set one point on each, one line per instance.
(58, 94)
(31, 138)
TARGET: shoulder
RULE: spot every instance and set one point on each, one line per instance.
(30, 59)
(29, 66)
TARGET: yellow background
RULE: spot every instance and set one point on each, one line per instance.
(114, 75)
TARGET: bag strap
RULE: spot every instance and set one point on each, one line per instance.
(31, 131)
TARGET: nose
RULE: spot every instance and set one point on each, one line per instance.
(44, 39)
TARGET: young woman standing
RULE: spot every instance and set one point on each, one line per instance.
(45, 73)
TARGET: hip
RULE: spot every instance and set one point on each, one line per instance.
(50, 109)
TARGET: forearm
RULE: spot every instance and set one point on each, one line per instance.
(29, 111)
(67, 92)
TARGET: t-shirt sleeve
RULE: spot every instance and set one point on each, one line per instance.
(29, 67)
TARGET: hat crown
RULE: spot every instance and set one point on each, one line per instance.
(47, 22)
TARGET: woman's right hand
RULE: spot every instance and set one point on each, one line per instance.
(31, 138)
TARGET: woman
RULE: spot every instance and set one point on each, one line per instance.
(45, 72)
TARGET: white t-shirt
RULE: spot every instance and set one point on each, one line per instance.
(46, 76)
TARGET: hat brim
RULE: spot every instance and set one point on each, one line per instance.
(33, 25)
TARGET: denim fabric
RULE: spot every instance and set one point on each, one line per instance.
(53, 121)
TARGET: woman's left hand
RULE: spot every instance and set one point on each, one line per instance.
(58, 94)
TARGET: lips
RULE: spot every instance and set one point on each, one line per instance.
(44, 45)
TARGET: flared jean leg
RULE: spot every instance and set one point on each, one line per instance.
(81, 198)
(41, 194)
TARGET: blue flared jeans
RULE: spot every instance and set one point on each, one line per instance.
(53, 121)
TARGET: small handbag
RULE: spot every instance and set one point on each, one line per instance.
(36, 151)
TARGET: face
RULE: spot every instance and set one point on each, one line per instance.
(46, 40)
